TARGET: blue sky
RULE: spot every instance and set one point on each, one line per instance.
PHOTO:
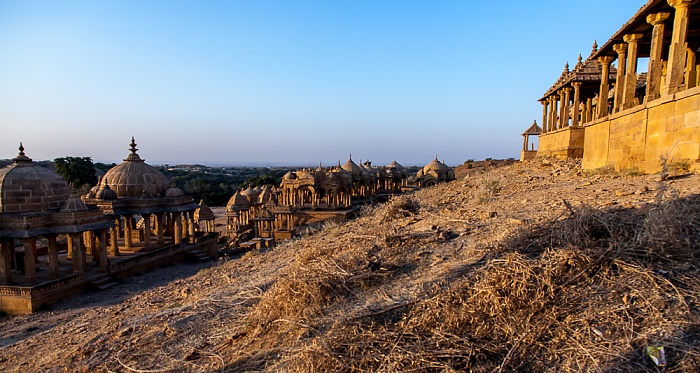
(285, 81)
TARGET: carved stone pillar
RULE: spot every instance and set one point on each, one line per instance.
(146, 230)
(690, 69)
(544, 115)
(29, 260)
(564, 118)
(114, 243)
(655, 69)
(577, 104)
(76, 247)
(630, 89)
(53, 257)
(190, 225)
(621, 50)
(554, 110)
(101, 250)
(677, 53)
(602, 105)
(128, 225)
(5, 263)
(177, 229)
(185, 226)
(159, 228)
(589, 110)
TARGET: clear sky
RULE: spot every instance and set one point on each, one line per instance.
(286, 81)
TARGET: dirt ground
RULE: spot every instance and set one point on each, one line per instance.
(199, 317)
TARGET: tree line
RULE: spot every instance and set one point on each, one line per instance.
(214, 185)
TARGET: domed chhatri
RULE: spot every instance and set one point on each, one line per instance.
(135, 178)
(37, 202)
(433, 173)
(134, 190)
(28, 187)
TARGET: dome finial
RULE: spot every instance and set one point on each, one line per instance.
(133, 157)
(21, 157)
(580, 58)
(351, 156)
(133, 145)
(595, 46)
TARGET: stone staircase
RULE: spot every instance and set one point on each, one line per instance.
(198, 256)
(103, 282)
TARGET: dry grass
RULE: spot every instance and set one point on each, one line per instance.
(585, 292)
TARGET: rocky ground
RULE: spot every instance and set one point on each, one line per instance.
(359, 296)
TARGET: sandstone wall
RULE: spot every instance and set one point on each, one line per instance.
(562, 144)
(667, 128)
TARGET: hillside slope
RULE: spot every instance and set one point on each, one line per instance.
(519, 267)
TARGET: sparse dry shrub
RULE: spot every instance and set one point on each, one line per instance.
(488, 187)
(607, 170)
(671, 223)
(401, 207)
(679, 167)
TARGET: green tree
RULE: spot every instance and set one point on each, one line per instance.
(78, 171)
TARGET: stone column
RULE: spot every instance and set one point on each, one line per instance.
(177, 229)
(159, 228)
(114, 243)
(655, 69)
(564, 119)
(630, 89)
(690, 69)
(76, 247)
(54, 269)
(677, 52)
(5, 263)
(185, 226)
(602, 105)
(146, 230)
(589, 110)
(577, 104)
(128, 225)
(555, 118)
(621, 50)
(101, 250)
(544, 115)
(190, 225)
(29, 260)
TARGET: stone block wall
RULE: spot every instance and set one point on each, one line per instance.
(666, 128)
(562, 144)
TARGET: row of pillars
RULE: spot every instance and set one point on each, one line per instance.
(76, 250)
(99, 244)
(680, 69)
(178, 225)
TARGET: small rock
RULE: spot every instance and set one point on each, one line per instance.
(125, 331)
(641, 190)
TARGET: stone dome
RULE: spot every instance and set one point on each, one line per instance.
(238, 201)
(135, 178)
(74, 203)
(174, 191)
(106, 194)
(436, 166)
(353, 168)
(289, 176)
(204, 212)
(265, 196)
(251, 194)
(28, 187)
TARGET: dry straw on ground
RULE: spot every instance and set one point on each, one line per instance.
(586, 291)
